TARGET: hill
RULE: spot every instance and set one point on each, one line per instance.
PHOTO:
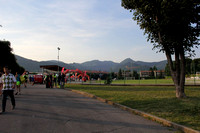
(96, 65)
(34, 66)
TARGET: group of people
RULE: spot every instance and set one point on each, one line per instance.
(53, 80)
(8, 83)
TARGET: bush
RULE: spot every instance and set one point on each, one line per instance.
(108, 80)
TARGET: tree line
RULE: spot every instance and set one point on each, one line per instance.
(192, 66)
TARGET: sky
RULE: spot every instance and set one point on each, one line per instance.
(84, 30)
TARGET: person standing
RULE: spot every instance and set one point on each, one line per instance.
(62, 81)
(18, 83)
(59, 79)
(51, 81)
(0, 85)
(26, 79)
(33, 80)
(55, 80)
(9, 82)
(30, 79)
(47, 80)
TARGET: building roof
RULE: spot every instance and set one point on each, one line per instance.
(51, 67)
(100, 72)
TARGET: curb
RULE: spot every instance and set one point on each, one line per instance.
(141, 113)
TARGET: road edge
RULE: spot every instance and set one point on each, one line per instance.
(140, 113)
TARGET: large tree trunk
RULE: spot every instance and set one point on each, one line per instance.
(177, 70)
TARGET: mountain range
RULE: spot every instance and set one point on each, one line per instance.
(96, 65)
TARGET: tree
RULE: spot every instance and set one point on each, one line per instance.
(104, 76)
(113, 75)
(167, 70)
(8, 59)
(152, 72)
(191, 67)
(135, 74)
(173, 27)
(119, 75)
(161, 75)
(196, 65)
(155, 68)
(152, 69)
(108, 80)
(188, 63)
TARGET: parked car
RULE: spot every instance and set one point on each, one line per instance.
(38, 79)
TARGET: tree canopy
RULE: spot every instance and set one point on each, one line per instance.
(173, 26)
(168, 23)
(8, 58)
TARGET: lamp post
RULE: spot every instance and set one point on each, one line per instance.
(58, 59)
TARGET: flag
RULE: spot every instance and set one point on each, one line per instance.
(63, 69)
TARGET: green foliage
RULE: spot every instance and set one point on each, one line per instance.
(161, 76)
(173, 28)
(113, 75)
(104, 76)
(167, 70)
(168, 23)
(135, 74)
(152, 69)
(159, 101)
(93, 75)
(155, 68)
(108, 80)
(8, 59)
(119, 75)
(196, 65)
(188, 63)
(191, 67)
(152, 73)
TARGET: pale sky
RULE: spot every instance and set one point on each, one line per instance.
(84, 30)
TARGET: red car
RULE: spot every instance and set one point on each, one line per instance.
(38, 79)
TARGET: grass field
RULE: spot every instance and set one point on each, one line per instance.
(159, 101)
(147, 81)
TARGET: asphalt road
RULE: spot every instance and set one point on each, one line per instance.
(41, 110)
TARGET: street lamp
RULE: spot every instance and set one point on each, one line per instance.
(58, 59)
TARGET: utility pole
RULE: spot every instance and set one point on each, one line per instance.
(58, 59)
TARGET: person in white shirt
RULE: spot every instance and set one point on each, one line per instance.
(9, 82)
(0, 85)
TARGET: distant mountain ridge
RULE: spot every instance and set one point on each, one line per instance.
(108, 66)
(34, 66)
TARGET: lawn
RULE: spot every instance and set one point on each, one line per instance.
(159, 101)
(147, 81)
